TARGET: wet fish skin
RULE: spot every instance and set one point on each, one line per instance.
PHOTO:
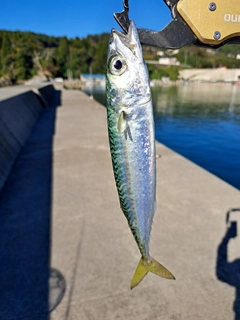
(132, 142)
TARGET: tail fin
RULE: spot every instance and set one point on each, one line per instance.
(146, 266)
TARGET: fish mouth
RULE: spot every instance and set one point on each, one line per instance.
(126, 39)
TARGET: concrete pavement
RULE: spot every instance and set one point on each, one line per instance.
(60, 212)
(92, 245)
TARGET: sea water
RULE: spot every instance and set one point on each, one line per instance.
(201, 122)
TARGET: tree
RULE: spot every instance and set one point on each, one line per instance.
(5, 52)
(23, 64)
(62, 56)
(99, 64)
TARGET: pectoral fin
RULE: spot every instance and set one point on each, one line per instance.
(123, 125)
(122, 122)
(146, 266)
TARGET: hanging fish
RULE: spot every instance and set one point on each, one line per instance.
(132, 142)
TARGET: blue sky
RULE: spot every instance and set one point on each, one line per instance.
(79, 17)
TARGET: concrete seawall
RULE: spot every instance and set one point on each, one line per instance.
(20, 108)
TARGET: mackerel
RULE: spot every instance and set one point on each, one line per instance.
(132, 142)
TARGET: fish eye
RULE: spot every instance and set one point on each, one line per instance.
(117, 65)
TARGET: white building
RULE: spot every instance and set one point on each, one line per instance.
(169, 61)
(210, 75)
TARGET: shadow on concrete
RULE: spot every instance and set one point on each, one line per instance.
(229, 272)
(74, 272)
(57, 287)
(25, 228)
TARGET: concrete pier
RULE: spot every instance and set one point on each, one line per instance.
(66, 246)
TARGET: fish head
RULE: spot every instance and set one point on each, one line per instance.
(127, 74)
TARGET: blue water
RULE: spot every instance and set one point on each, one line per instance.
(202, 123)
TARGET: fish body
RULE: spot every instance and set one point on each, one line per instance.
(132, 142)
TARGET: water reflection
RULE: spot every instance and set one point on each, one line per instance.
(201, 122)
(216, 101)
(98, 93)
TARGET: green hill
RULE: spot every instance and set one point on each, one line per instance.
(25, 54)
